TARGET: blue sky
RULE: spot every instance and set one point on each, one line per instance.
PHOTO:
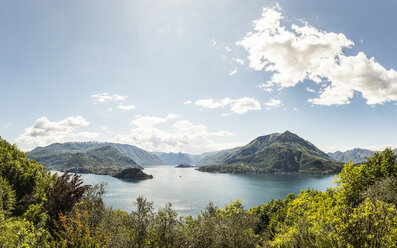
(196, 76)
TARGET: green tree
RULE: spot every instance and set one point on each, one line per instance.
(354, 180)
(28, 178)
(7, 197)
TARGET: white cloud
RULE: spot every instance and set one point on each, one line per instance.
(210, 103)
(45, 132)
(310, 90)
(126, 107)
(295, 109)
(273, 103)
(244, 105)
(184, 136)
(182, 124)
(105, 97)
(265, 87)
(151, 121)
(238, 61)
(213, 42)
(228, 49)
(187, 102)
(238, 106)
(303, 52)
(222, 133)
(232, 72)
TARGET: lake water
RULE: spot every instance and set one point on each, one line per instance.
(190, 190)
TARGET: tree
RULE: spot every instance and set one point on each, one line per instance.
(64, 192)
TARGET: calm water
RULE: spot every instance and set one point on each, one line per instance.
(190, 191)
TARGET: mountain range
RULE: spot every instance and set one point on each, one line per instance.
(277, 153)
(357, 155)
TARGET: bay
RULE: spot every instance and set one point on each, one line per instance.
(190, 191)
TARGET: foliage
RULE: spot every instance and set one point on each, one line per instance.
(7, 197)
(231, 226)
(76, 230)
(28, 178)
(64, 192)
(21, 233)
(354, 180)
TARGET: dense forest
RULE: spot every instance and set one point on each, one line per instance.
(38, 209)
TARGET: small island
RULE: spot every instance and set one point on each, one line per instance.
(132, 174)
(184, 166)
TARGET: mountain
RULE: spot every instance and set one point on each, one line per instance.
(140, 156)
(357, 155)
(178, 158)
(276, 153)
(214, 158)
(101, 160)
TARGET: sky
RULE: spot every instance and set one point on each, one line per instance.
(198, 76)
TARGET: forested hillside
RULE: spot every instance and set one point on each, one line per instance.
(38, 209)
(275, 153)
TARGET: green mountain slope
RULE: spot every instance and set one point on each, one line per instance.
(101, 160)
(276, 153)
(140, 156)
(357, 155)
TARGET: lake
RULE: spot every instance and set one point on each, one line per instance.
(190, 190)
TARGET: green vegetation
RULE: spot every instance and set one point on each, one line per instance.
(132, 174)
(276, 153)
(38, 209)
(45, 154)
(100, 160)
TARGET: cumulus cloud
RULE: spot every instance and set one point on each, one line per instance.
(273, 103)
(187, 102)
(105, 97)
(126, 107)
(183, 136)
(45, 132)
(237, 106)
(302, 52)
